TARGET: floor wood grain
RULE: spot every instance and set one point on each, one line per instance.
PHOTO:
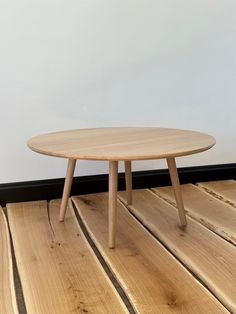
(202, 251)
(223, 190)
(58, 271)
(160, 267)
(154, 280)
(205, 208)
(7, 291)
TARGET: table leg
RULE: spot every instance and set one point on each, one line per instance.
(112, 205)
(67, 188)
(128, 181)
(176, 186)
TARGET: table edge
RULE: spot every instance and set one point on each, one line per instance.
(124, 158)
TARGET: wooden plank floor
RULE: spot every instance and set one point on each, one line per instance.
(198, 248)
(156, 266)
(155, 281)
(7, 293)
(58, 271)
(223, 190)
(205, 208)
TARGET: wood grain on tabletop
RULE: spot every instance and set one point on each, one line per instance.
(202, 251)
(154, 280)
(121, 143)
(58, 271)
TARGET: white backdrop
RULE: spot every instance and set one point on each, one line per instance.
(91, 63)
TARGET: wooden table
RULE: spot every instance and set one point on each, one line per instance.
(121, 144)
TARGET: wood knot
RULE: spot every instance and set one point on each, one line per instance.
(172, 300)
(183, 228)
(87, 201)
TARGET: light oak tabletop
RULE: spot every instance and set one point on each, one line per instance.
(122, 143)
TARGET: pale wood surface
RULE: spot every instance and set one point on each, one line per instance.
(152, 277)
(223, 190)
(121, 143)
(112, 204)
(209, 211)
(7, 291)
(128, 181)
(209, 257)
(58, 271)
(177, 190)
(67, 188)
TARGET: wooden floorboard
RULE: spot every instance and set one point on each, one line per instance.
(7, 291)
(154, 280)
(58, 271)
(223, 190)
(183, 270)
(202, 251)
(205, 208)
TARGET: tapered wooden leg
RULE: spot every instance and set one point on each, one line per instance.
(67, 188)
(112, 205)
(128, 181)
(176, 186)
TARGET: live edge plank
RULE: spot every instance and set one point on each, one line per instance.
(223, 190)
(205, 208)
(153, 279)
(7, 291)
(199, 249)
(58, 271)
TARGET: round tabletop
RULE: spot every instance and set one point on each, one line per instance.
(123, 143)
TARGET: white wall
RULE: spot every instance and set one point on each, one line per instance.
(90, 63)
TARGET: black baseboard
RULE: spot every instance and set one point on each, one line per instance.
(52, 189)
